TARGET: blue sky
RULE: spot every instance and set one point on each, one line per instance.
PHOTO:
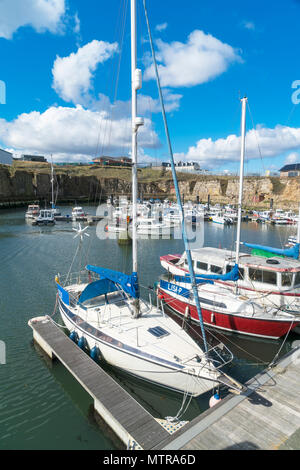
(67, 74)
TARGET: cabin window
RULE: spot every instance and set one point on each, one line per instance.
(255, 275)
(202, 266)
(186, 262)
(216, 269)
(286, 279)
(268, 277)
(297, 278)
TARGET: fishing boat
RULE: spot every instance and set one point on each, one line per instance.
(45, 217)
(78, 213)
(221, 219)
(227, 304)
(32, 212)
(104, 311)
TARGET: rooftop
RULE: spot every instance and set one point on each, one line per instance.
(291, 167)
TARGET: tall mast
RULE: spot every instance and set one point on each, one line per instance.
(52, 185)
(136, 84)
(298, 227)
(243, 136)
(184, 234)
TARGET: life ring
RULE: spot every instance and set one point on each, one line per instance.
(272, 261)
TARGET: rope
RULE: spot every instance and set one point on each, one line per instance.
(55, 306)
(272, 363)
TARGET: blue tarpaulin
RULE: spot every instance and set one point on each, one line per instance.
(104, 286)
(129, 283)
(289, 252)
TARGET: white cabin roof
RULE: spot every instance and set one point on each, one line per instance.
(220, 256)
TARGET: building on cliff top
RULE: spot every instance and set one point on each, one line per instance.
(113, 161)
(290, 170)
(190, 167)
(6, 158)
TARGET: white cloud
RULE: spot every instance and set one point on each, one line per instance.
(248, 25)
(73, 132)
(292, 158)
(260, 142)
(42, 15)
(161, 27)
(146, 105)
(77, 23)
(72, 75)
(197, 61)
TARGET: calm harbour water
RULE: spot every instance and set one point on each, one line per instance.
(41, 405)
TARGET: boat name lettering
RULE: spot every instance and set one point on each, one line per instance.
(174, 288)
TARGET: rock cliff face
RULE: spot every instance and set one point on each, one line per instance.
(19, 184)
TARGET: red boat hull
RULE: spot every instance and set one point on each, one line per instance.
(265, 328)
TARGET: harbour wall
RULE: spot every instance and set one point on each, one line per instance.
(93, 184)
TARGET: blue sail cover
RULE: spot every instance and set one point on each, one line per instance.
(63, 294)
(289, 252)
(233, 275)
(104, 286)
(129, 283)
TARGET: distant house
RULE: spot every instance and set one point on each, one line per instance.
(289, 171)
(190, 167)
(113, 161)
(33, 158)
(6, 158)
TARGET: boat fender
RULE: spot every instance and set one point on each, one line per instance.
(187, 312)
(96, 354)
(82, 343)
(214, 400)
(74, 336)
(212, 318)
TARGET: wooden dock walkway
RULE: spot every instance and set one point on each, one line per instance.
(265, 417)
(123, 414)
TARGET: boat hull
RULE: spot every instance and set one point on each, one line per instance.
(264, 328)
(127, 359)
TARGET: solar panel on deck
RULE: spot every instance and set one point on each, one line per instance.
(158, 331)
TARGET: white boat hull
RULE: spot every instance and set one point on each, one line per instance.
(126, 358)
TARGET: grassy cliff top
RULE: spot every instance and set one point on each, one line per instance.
(146, 175)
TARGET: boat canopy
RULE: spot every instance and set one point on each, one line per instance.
(289, 252)
(96, 288)
(129, 283)
(233, 275)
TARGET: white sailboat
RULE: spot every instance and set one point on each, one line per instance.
(104, 311)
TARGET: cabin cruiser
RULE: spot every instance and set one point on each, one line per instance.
(33, 211)
(77, 213)
(46, 217)
(271, 281)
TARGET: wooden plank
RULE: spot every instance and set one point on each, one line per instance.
(109, 394)
(264, 419)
